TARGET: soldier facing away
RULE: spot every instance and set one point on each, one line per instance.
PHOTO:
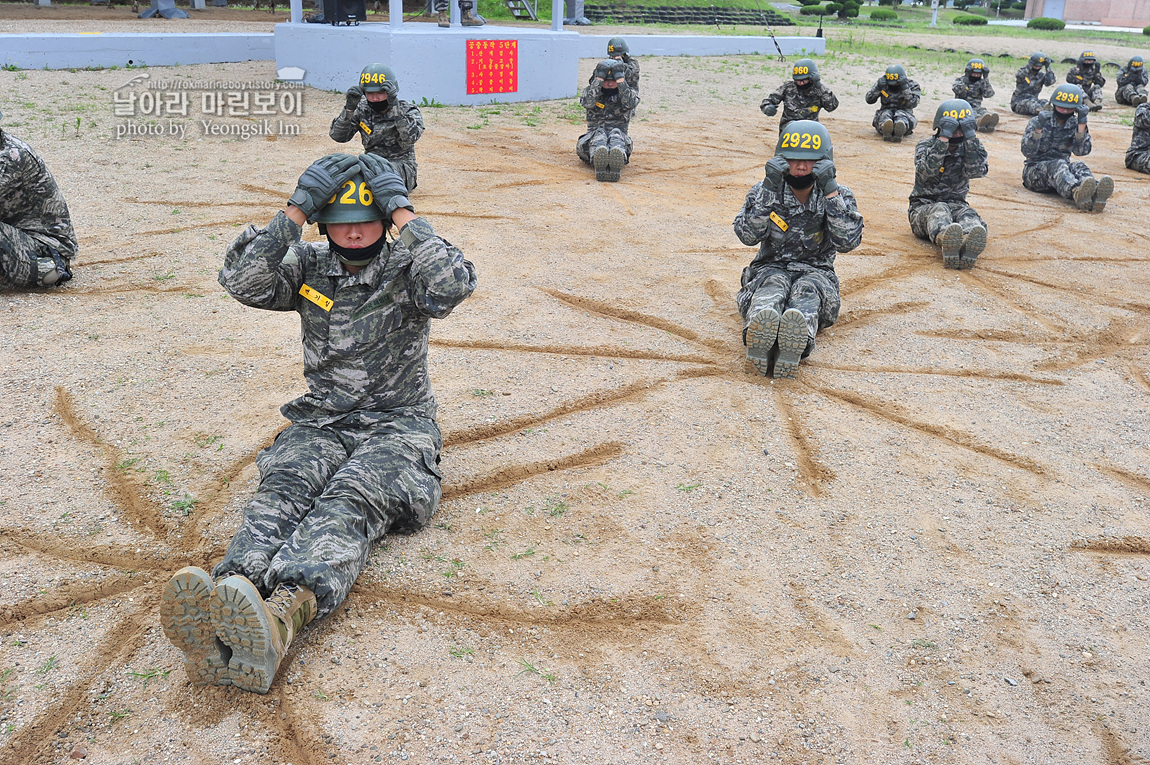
(37, 243)
(1138, 155)
(387, 125)
(618, 50)
(899, 95)
(610, 103)
(1051, 137)
(1029, 81)
(972, 87)
(1087, 74)
(800, 217)
(804, 97)
(1131, 83)
(943, 167)
(361, 455)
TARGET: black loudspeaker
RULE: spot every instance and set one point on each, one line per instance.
(345, 11)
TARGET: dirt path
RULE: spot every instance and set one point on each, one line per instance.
(931, 547)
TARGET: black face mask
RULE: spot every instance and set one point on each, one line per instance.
(357, 256)
(804, 85)
(798, 183)
(379, 107)
(611, 92)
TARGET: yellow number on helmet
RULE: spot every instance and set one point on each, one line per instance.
(801, 70)
(816, 142)
(348, 197)
(893, 76)
(365, 197)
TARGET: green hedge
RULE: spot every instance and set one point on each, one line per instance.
(813, 10)
(883, 14)
(810, 2)
(850, 10)
(1045, 23)
(1146, 30)
(969, 21)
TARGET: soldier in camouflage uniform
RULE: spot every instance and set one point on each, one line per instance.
(1087, 75)
(610, 103)
(895, 116)
(972, 87)
(1132, 83)
(37, 243)
(1138, 155)
(361, 456)
(1029, 81)
(800, 217)
(1050, 138)
(803, 97)
(943, 167)
(618, 50)
(387, 125)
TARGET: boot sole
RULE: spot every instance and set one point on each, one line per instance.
(1084, 194)
(762, 332)
(951, 243)
(989, 123)
(244, 626)
(887, 130)
(186, 620)
(792, 343)
(972, 247)
(600, 160)
(1102, 193)
(899, 132)
(616, 158)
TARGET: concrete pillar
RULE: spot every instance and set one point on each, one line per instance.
(43, 3)
(557, 15)
(198, 5)
(296, 11)
(456, 14)
(219, 3)
(395, 13)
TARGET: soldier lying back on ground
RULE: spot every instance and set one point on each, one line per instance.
(387, 125)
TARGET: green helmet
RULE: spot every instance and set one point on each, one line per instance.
(610, 69)
(954, 107)
(617, 46)
(1067, 95)
(1038, 59)
(376, 78)
(805, 69)
(1087, 57)
(976, 65)
(804, 139)
(1135, 62)
(351, 203)
(895, 74)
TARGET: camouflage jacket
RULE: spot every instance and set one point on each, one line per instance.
(366, 351)
(632, 77)
(973, 91)
(1045, 139)
(905, 98)
(941, 175)
(391, 135)
(794, 236)
(1086, 78)
(1131, 76)
(30, 200)
(609, 111)
(1140, 140)
(1027, 83)
(801, 103)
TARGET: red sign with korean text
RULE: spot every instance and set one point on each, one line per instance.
(492, 66)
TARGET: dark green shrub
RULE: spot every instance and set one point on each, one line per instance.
(850, 10)
(810, 2)
(813, 10)
(967, 20)
(1146, 30)
(883, 14)
(834, 8)
(1019, 5)
(1045, 23)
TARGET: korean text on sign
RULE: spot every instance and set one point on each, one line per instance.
(492, 66)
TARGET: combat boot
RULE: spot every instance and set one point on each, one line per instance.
(950, 240)
(987, 122)
(469, 17)
(1102, 193)
(1084, 194)
(258, 632)
(52, 271)
(186, 620)
(792, 343)
(761, 334)
(616, 158)
(972, 247)
(899, 131)
(601, 161)
(887, 129)
(443, 20)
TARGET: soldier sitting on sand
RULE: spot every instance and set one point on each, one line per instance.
(1087, 75)
(1138, 155)
(1132, 83)
(387, 125)
(972, 87)
(1029, 81)
(899, 95)
(804, 97)
(610, 103)
(1050, 138)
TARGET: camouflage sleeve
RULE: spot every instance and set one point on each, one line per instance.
(590, 95)
(627, 96)
(1073, 77)
(959, 88)
(344, 126)
(987, 88)
(844, 224)
(753, 221)
(409, 125)
(441, 278)
(974, 161)
(1142, 118)
(1099, 78)
(873, 94)
(929, 155)
(1143, 77)
(1082, 144)
(911, 95)
(829, 100)
(777, 97)
(1022, 78)
(1032, 138)
(1049, 78)
(259, 269)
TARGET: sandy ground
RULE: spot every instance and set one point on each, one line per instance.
(931, 547)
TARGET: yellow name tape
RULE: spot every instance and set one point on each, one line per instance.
(782, 224)
(318, 298)
(365, 127)
(601, 106)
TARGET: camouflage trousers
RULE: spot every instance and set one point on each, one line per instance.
(895, 115)
(1094, 93)
(814, 294)
(1138, 160)
(326, 495)
(23, 258)
(441, 7)
(603, 136)
(1125, 94)
(926, 221)
(405, 165)
(1060, 175)
(1028, 105)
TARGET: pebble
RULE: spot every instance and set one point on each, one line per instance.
(912, 615)
(1010, 681)
(78, 752)
(756, 737)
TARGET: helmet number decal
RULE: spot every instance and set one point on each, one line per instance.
(801, 141)
(802, 70)
(976, 65)
(350, 191)
(372, 78)
(958, 114)
(1136, 64)
(1066, 97)
(891, 76)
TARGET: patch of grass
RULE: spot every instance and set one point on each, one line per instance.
(452, 569)
(119, 715)
(184, 505)
(163, 277)
(203, 440)
(555, 507)
(688, 487)
(460, 653)
(875, 626)
(492, 537)
(531, 669)
(482, 392)
(10, 68)
(445, 527)
(123, 465)
(525, 554)
(150, 674)
(920, 643)
(162, 476)
(432, 104)
(539, 597)
(50, 664)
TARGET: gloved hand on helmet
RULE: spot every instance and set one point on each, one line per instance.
(824, 172)
(320, 181)
(387, 187)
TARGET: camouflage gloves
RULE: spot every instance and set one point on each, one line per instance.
(386, 185)
(969, 127)
(776, 168)
(770, 109)
(1083, 110)
(824, 172)
(354, 93)
(947, 127)
(320, 181)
